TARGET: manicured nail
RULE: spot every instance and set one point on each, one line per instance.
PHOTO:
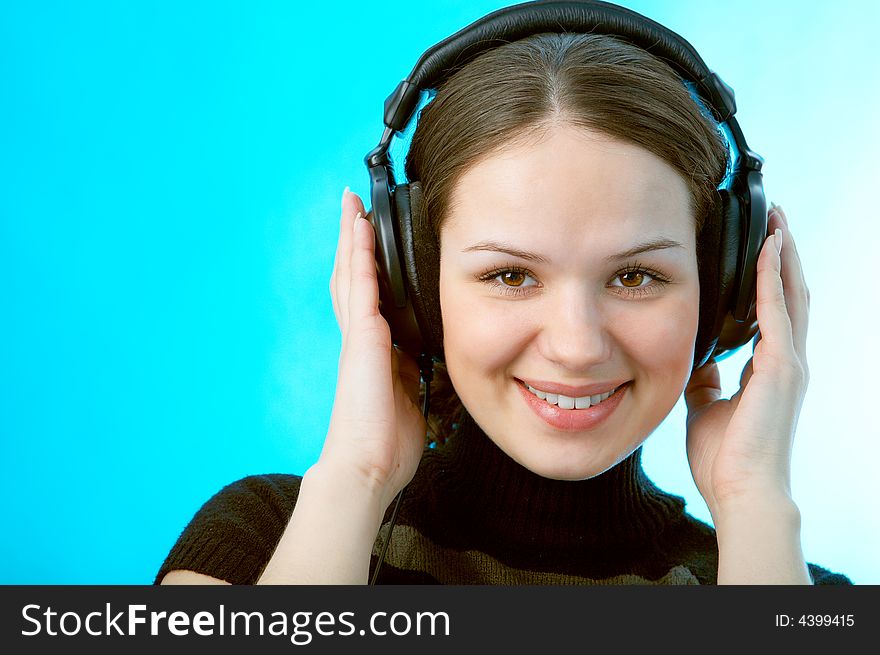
(345, 192)
(777, 241)
(354, 225)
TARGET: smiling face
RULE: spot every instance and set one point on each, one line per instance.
(570, 307)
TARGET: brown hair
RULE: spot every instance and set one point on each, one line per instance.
(516, 91)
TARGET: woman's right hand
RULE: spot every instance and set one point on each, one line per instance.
(377, 431)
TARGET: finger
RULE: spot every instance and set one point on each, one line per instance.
(352, 204)
(704, 387)
(340, 281)
(336, 257)
(351, 207)
(773, 320)
(363, 298)
(797, 295)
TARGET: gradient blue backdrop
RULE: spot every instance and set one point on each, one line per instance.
(171, 175)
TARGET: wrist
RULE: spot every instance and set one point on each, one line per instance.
(759, 542)
(345, 491)
(769, 499)
(330, 535)
(780, 511)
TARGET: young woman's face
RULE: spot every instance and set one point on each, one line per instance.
(570, 306)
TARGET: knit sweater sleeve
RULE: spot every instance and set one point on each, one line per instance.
(234, 534)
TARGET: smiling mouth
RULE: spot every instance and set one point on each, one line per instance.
(569, 402)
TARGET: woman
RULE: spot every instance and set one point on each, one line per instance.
(568, 178)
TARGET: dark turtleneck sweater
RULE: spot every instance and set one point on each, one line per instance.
(473, 515)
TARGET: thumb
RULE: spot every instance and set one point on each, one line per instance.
(704, 387)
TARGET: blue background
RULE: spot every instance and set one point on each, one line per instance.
(170, 177)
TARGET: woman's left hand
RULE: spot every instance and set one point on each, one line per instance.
(739, 449)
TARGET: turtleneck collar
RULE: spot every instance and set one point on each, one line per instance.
(493, 497)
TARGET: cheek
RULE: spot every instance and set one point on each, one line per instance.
(478, 334)
(665, 342)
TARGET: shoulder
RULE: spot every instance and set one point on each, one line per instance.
(253, 503)
(255, 493)
(824, 576)
(234, 533)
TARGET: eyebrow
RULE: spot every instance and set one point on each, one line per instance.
(660, 243)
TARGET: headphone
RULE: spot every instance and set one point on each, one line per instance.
(407, 254)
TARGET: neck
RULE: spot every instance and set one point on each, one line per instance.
(495, 498)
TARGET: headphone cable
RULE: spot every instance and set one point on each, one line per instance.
(426, 367)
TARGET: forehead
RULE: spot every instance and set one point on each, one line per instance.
(570, 184)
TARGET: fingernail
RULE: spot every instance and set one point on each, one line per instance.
(777, 240)
(345, 192)
(354, 225)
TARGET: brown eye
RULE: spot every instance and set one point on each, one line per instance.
(632, 279)
(513, 278)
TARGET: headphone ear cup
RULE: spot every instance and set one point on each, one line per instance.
(733, 334)
(749, 188)
(718, 247)
(418, 254)
(394, 296)
(421, 255)
(709, 263)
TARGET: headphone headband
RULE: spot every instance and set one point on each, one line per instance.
(522, 20)
(519, 21)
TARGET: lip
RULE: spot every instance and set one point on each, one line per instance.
(573, 392)
(573, 420)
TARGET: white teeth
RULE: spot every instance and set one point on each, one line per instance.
(566, 402)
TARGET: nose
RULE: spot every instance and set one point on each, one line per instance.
(575, 333)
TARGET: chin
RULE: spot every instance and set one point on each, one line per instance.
(562, 468)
